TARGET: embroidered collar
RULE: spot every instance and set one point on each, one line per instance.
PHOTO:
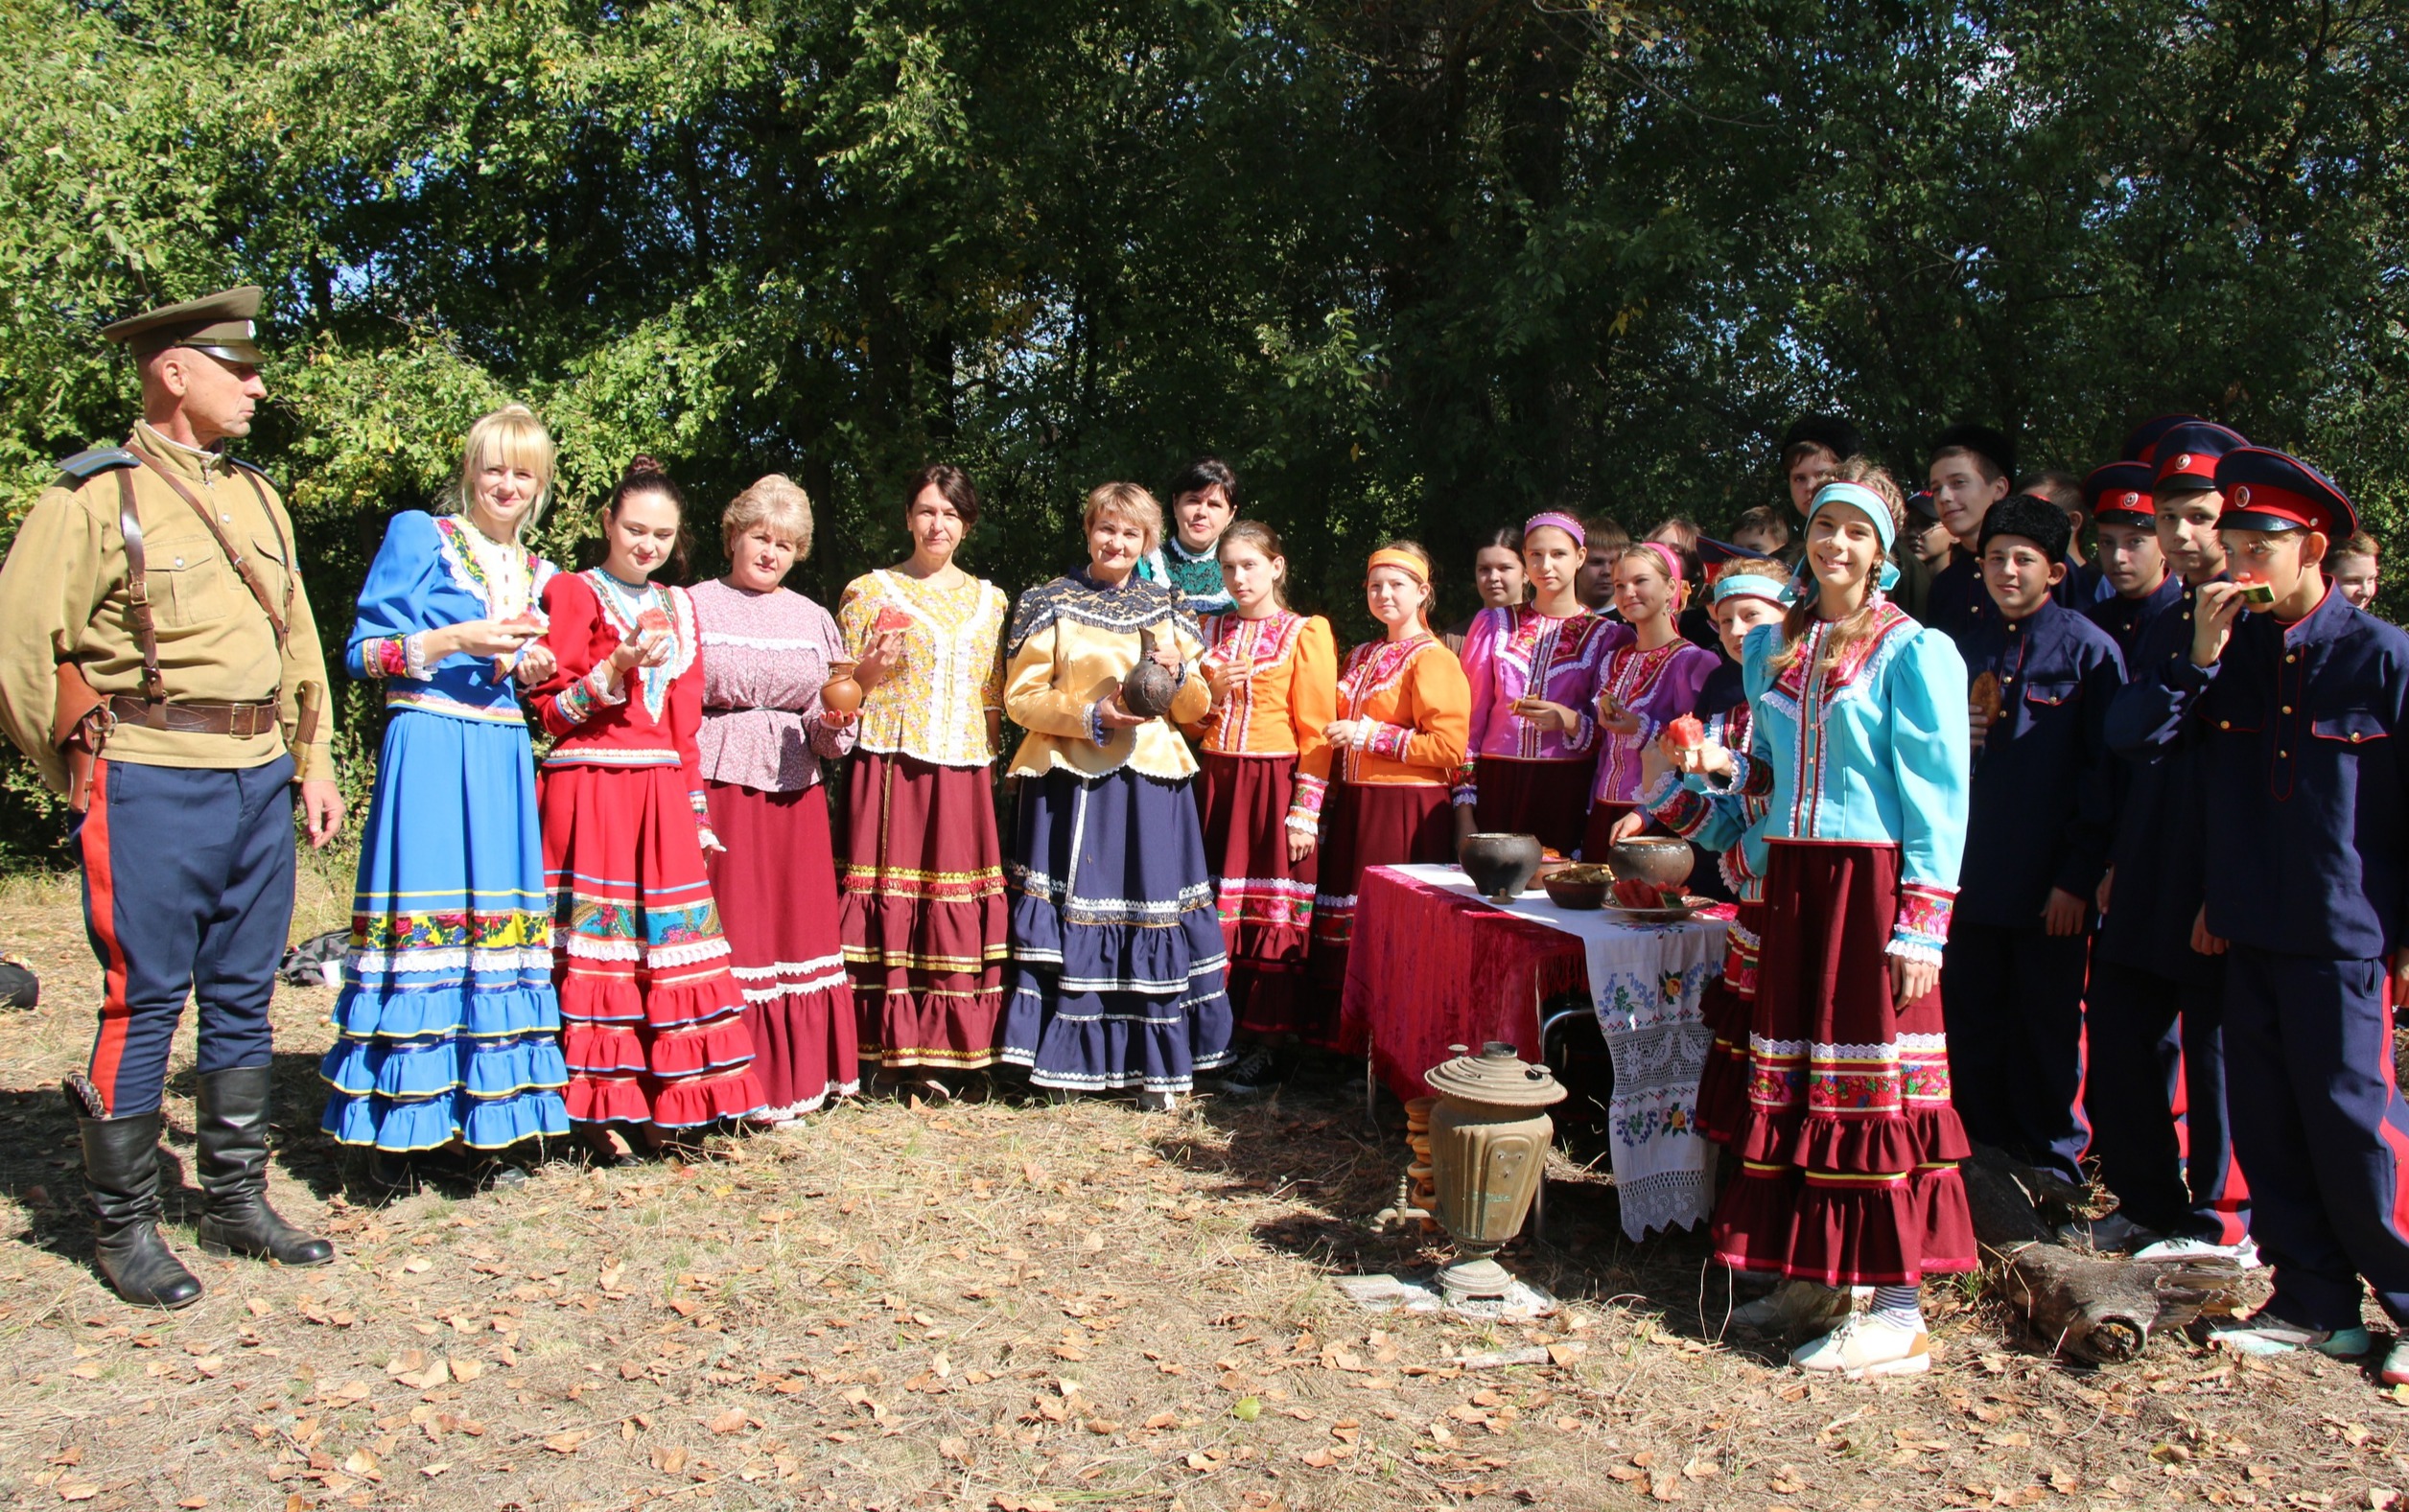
(1887, 618)
(502, 575)
(624, 606)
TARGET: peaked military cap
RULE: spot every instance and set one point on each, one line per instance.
(2266, 489)
(219, 324)
(2141, 444)
(2187, 456)
(2118, 493)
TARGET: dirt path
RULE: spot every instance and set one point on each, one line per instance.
(1009, 1307)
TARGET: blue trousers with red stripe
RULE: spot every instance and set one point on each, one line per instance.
(2152, 1036)
(2013, 999)
(187, 893)
(2319, 1120)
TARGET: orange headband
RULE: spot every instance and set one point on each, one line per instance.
(1405, 562)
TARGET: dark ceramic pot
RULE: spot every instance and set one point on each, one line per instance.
(1150, 687)
(1500, 866)
(1663, 860)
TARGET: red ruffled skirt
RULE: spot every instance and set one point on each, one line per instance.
(1546, 799)
(1725, 1006)
(651, 1023)
(776, 883)
(1366, 824)
(1266, 900)
(1848, 1151)
(924, 915)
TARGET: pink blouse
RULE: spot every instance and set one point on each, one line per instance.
(765, 657)
(1659, 686)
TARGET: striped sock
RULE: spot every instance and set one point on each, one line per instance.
(1898, 1305)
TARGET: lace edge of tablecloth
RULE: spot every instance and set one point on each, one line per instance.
(1666, 1199)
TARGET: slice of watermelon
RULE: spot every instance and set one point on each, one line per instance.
(890, 619)
(2256, 591)
(653, 618)
(1686, 734)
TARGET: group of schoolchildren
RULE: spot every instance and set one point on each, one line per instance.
(2176, 934)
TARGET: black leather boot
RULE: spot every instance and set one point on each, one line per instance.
(230, 1115)
(120, 1176)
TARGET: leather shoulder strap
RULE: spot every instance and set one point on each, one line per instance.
(242, 564)
(138, 590)
(292, 568)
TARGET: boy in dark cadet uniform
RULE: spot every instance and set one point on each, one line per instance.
(1968, 475)
(2037, 837)
(2294, 704)
(2156, 1003)
(2083, 584)
(2129, 560)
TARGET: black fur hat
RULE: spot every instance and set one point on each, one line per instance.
(1835, 433)
(1983, 441)
(2037, 520)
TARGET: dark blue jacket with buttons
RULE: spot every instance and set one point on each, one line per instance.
(2040, 816)
(2125, 619)
(2298, 733)
(2161, 849)
(1957, 601)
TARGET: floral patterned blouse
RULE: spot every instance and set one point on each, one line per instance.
(934, 705)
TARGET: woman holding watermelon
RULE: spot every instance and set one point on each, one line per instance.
(923, 915)
(655, 1034)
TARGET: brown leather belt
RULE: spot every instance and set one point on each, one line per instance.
(243, 720)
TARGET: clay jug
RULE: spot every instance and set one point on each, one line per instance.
(1150, 687)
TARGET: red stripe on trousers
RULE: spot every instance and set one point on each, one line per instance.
(2393, 1135)
(100, 890)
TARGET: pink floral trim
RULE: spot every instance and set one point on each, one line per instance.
(1389, 741)
(385, 656)
(1304, 802)
(1922, 927)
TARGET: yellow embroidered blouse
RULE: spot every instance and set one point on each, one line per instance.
(934, 705)
(1072, 641)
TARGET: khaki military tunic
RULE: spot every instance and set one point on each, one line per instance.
(64, 597)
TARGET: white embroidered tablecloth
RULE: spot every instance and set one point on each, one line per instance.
(1643, 981)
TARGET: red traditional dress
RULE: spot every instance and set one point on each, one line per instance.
(652, 1023)
(1390, 803)
(765, 657)
(924, 919)
(1849, 1150)
(1265, 766)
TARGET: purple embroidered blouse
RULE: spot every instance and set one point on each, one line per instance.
(764, 659)
(1659, 686)
(1521, 653)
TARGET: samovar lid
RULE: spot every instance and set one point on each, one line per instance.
(1497, 1076)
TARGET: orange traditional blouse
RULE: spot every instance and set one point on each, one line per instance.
(1415, 709)
(1279, 709)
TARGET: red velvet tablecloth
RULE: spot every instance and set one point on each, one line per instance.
(1431, 966)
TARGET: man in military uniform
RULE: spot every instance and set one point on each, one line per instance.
(159, 664)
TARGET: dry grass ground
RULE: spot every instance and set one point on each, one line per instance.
(1001, 1306)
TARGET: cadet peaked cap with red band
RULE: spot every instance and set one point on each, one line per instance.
(1920, 504)
(2118, 493)
(2141, 444)
(2188, 455)
(2266, 489)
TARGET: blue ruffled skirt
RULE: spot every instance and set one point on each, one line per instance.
(1117, 958)
(448, 1024)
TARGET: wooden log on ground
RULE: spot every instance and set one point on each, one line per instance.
(2104, 1308)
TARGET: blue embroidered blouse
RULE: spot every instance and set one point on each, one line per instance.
(429, 574)
(1873, 750)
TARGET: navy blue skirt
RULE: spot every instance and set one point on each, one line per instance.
(1118, 959)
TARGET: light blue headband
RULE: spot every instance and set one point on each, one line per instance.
(1750, 585)
(1874, 508)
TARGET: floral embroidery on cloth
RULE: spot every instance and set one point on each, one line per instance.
(624, 606)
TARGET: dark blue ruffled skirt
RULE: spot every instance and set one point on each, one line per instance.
(448, 1025)
(1117, 946)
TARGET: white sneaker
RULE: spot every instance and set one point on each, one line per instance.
(1865, 1345)
(1149, 1101)
(2245, 1253)
(1795, 1307)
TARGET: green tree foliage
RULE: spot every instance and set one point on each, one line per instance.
(1414, 267)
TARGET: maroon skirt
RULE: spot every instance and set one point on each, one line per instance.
(1848, 1153)
(1366, 825)
(1725, 1006)
(923, 917)
(1597, 835)
(1266, 900)
(1547, 798)
(776, 883)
